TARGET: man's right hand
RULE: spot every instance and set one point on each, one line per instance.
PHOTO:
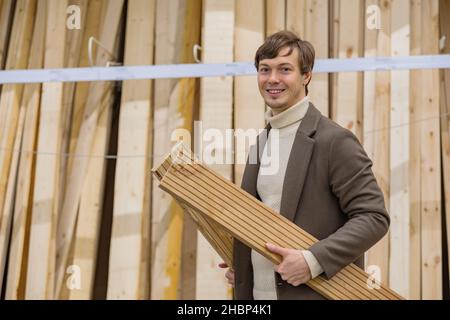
(229, 274)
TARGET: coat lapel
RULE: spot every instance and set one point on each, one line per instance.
(250, 176)
(297, 166)
(298, 163)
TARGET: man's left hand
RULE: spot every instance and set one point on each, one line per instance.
(293, 268)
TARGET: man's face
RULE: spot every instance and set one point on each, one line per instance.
(280, 82)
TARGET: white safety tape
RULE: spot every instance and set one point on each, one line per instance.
(215, 70)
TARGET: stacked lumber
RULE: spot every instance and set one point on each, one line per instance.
(243, 217)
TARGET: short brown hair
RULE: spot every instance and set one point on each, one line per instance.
(282, 39)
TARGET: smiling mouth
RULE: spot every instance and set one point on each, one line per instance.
(274, 91)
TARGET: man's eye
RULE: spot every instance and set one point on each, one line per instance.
(263, 70)
(286, 69)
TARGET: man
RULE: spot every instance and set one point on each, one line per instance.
(324, 183)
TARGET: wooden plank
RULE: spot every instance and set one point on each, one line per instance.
(94, 20)
(40, 274)
(414, 156)
(6, 7)
(67, 221)
(248, 104)
(87, 231)
(215, 113)
(84, 249)
(17, 265)
(72, 57)
(430, 161)
(309, 19)
(275, 16)
(399, 198)
(12, 93)
(184, 109)
(167, 220)
(444, 20)
(377, 122)
(173, 260)
(255, 224)
(128, 231)
(348, 108)
(334, 52)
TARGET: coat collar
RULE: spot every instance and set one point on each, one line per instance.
(297, 166)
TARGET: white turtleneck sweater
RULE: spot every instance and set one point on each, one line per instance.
(270, 188)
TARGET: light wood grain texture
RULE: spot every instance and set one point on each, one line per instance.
(5, 18)
(309, 19)
(17, 265)
(253, 223)
(399, 258)
(129, 231)
(216, 99)
(414, 155)
(275, 16)
(431, 240)
(347, 110)
(41, 266)
(444, 20)
(248, 104)
(76, 177)
(377, 124)
(177, 30)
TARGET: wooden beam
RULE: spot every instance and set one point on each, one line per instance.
(11, 96)
(253, 223)
(40, 274)
(18, 256)
(173, 260)
(128, 238)
(67, 221)
(377, 124)
(275, 16)
(430, 160)
(94, 21)
(72, 57)
(248, 104)
(309, 19)
(87, 232)
(348, 108)
(414, 155)
(167, 220)
(6, 9)
(400, 142)
(215, 113)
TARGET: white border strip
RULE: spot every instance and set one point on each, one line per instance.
(215, 70)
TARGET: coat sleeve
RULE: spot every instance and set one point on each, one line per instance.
(352, 181)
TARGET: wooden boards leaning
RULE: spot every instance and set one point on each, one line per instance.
(216, 110)
(253, 223)
(377, 110)
(248, 104)
(40, 274)
(129, 269)
(399, 251)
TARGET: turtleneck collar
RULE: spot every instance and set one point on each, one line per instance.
(289, 116)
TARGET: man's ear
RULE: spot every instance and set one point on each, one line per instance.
(307, 77)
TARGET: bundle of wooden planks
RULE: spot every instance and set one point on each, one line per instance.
(223, 211)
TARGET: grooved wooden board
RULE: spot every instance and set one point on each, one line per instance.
(253, 223)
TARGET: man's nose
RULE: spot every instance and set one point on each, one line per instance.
(273, 78)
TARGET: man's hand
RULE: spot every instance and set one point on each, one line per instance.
(229, 274)
(293, 268)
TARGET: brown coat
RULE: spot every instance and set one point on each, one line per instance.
(330, 191)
